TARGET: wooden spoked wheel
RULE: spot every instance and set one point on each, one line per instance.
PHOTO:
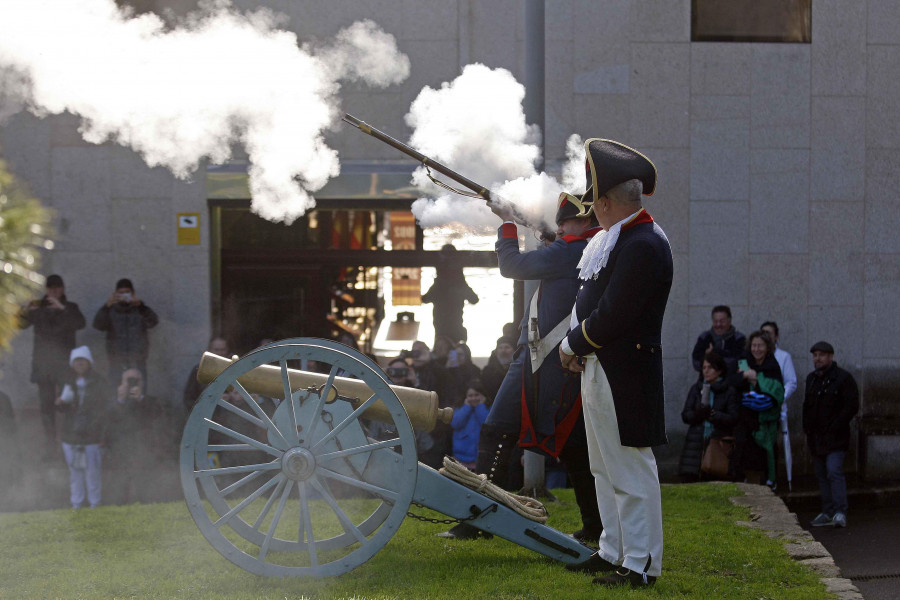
(298, 485)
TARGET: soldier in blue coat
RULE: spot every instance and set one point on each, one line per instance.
(549, 422)
(614, 341)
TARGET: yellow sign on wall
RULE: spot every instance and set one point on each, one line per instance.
(188, 228)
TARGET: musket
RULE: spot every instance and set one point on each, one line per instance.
(478, 190)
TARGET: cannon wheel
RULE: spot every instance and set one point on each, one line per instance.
(296, 469)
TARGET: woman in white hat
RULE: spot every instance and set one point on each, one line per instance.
(83, 404)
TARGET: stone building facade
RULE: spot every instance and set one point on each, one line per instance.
(779, 165)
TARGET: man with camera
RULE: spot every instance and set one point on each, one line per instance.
(138, 444)
(125, 319)
(401, 373)
(55, 320)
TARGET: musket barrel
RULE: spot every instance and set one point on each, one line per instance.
(410, 151)
(477, 188)
(421, 405)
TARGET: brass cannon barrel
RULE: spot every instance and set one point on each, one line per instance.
(420, 405)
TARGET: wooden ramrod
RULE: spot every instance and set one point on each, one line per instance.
(421, 405)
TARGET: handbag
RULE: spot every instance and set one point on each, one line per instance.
(716, 457)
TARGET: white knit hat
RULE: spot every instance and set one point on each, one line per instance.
(81, 352)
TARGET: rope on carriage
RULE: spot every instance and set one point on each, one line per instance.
(530, 508)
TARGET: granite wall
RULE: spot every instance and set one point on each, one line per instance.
(779, 167)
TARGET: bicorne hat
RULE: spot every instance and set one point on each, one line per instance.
(569, 206)
(609, 163)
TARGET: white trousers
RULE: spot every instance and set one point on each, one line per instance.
(626, 479)
(86, 480)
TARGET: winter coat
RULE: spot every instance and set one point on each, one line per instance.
(466, 424)
(725, 406)
(126, 328)
(138, 433)
(85, 422)
(492, 375)
(831, 402)
(759, 428)
(54, 338)
(459, 378)
(731, 347)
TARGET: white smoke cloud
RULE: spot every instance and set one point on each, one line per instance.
(476, 125)
(185, 94)
(573, 178)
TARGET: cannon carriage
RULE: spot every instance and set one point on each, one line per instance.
(283, 477)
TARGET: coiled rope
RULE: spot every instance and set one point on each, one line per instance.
(530, 508)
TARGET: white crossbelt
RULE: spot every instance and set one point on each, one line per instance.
(541, 347)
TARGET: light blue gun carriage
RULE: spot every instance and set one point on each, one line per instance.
(282, 478)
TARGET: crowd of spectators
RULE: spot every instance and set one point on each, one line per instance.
(111, 432)
(115, 440)
(740, 403)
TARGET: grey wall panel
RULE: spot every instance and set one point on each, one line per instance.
(838, 148)
(839, 48)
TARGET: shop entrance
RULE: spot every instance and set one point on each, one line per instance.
(319, 277)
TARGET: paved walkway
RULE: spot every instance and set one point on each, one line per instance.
(868, 550)
(769, 514)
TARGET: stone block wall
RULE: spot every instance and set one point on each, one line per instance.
(779, 168)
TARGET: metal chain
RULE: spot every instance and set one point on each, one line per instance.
(491, 508)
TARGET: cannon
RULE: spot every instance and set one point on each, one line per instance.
(298, 473)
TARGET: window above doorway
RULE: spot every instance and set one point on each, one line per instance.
(784, 21)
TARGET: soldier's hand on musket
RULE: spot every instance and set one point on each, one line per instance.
(501, 210)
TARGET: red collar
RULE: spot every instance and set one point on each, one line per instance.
(585, 236)
(588, 234)
(642, 217)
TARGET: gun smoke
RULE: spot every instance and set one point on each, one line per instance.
(476, 125)
(184, 94)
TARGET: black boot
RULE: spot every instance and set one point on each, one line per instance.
(578, 468)
(494, 451)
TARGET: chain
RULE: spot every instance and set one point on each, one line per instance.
(474, 516)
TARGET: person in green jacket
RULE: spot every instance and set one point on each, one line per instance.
(762, 388)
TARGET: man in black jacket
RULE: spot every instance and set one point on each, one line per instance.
(722, 338)
(125, 319)
(55, 321)
(141, 459)
(615, 341)
(831, 402)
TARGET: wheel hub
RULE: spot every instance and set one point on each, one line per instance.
(298, 464)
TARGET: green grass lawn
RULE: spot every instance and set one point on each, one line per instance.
(156, 551)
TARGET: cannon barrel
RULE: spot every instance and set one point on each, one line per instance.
(421, 405)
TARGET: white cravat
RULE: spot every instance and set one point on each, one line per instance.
(596, 254)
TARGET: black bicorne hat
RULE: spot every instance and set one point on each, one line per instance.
(569, 206)
(609, 163)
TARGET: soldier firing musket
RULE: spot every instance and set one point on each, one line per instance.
(495, 202)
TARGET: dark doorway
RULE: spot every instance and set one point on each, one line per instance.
(273, 301)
